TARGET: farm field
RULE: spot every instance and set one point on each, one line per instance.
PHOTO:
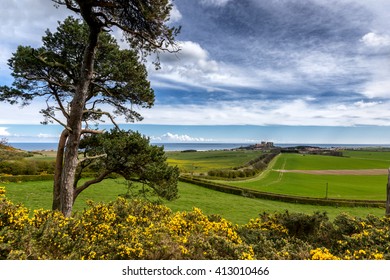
(351, 160)
(201, 162)
(289, 174)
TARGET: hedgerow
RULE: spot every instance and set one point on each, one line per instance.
(135, 229)
(250, 169)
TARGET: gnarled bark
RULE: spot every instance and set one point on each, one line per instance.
(58, 170)
(67, 193)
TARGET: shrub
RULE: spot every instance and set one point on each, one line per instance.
(26, 167)
(136, 229)
(118, 230)
(25, 178)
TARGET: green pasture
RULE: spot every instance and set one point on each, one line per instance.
(365, 187)
(351, 160)
(339, 186)
(369, 154)
(43, 155)
(201, 162)
(238, 209)
(39, 194)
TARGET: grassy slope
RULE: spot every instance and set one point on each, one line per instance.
(237, 209)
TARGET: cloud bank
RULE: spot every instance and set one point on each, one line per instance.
(289, 62)
(172, 137)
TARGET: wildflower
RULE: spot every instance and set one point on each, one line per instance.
(322, 254)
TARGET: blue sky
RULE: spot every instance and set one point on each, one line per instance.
(312, 71)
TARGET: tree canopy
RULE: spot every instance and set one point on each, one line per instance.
(80, 70)
(52, 71)
(143, 22)
(130, 155)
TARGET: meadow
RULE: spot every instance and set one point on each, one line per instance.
(237, 209)
(35, 195)
(349, 160)
(203, 161)
(364, 187)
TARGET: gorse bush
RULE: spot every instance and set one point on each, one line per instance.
(300, 236)
(119, 230)
(135, 229)
(27, 167)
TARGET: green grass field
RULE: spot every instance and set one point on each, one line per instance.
(339, 186)
(201, 162)
(36, 195)
(237, 209)
(351, 160)
(371, 187)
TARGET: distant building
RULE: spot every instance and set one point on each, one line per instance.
(264, 145)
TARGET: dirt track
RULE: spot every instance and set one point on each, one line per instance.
(339, 172)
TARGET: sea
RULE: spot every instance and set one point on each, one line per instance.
(39, 146)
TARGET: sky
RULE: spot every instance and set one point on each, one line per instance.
(307, 71)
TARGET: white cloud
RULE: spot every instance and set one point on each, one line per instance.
(377, 87)
(175, 15)
(191, 52)
(341, 107)
(268, 112)
(193, 67)
(45, 135)
(14, 114)
(171, 137)
(4, 132)
(376, 40)
(24, 23)
(217, 3)
(320, 65)
(362, 104)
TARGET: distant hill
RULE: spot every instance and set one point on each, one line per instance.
(10, 153)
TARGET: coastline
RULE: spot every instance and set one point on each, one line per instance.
(203, 146)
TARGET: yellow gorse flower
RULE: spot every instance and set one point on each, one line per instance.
(322, 254)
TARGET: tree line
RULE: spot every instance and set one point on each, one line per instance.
(250, 169)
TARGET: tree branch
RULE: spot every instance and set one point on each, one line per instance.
(103, 113)
(103, 88)
(68, 4)
(59, 102)
(91, 131)
(58, 121)
(92, 157)
(96, 180)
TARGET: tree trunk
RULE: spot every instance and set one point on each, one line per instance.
(67, 192)
(388, 195)
(58, 170)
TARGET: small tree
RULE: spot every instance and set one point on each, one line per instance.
(80, 68)
(130, 155)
